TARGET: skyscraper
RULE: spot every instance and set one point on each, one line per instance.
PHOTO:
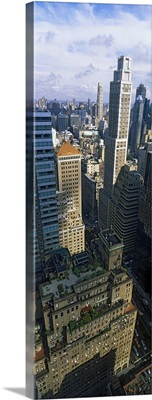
(137, 122)
(99, 102)
(124, 206)
(117, 139)
(71, 227)
(46, 212)
(62, 122)
(91, 183)
(145, 207)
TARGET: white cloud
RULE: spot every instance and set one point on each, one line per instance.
(69, 38)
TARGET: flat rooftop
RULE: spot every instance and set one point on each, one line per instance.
(39, 355)
(130, 307)
(111, 237)
(64, 287)
(81, 258)
(57, 260)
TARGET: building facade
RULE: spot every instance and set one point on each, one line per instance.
(89, 325)
(116, 141)
(142, 157)
(46, 229)
(62, 122)
(124, 205)
(92, 181)
(74, 120)
(137, 118)
(71, 227)
(145, 205)
(99, 101)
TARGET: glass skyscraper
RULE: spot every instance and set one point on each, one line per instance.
(46, 212)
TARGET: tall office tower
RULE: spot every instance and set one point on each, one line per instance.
(89, 107)
(74, 120)
(46, 218)
(145, 205)
(94, 113)
(43, 103)
(55, 107)
(142, 157)
(137, 119)
(89, 323)
(62, 122)
(141, 91)
(124, 205)
(91, 183)
(71, 227)
(117, 139)
(99, 102)
(147, 121)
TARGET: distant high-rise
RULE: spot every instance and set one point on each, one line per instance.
(74, 120)
(99, 102)
(141, 91)
(41, 104)
(62, 122)
(71, 227)
(46, 218)
(117, 140)
(94, 112)
(88, 106)
(137, 121)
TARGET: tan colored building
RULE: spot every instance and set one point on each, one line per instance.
(116, 141)
(111, 249)
(89, 324)
(71, 227)
(41, 372)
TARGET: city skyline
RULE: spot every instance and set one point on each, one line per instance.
(70, 62)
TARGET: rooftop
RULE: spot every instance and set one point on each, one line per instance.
(130, 307)
(90, 132)
(141, 384)
(64, 287)
(81, 258)
(67, 150)
(39, 354)
(57, 262)
(111, 237)
(90, 313)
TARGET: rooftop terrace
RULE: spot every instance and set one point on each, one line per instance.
(59, 288)
(90, 313)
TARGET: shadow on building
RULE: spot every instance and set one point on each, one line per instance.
(90, 379)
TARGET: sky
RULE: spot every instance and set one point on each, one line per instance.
(76, 45)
